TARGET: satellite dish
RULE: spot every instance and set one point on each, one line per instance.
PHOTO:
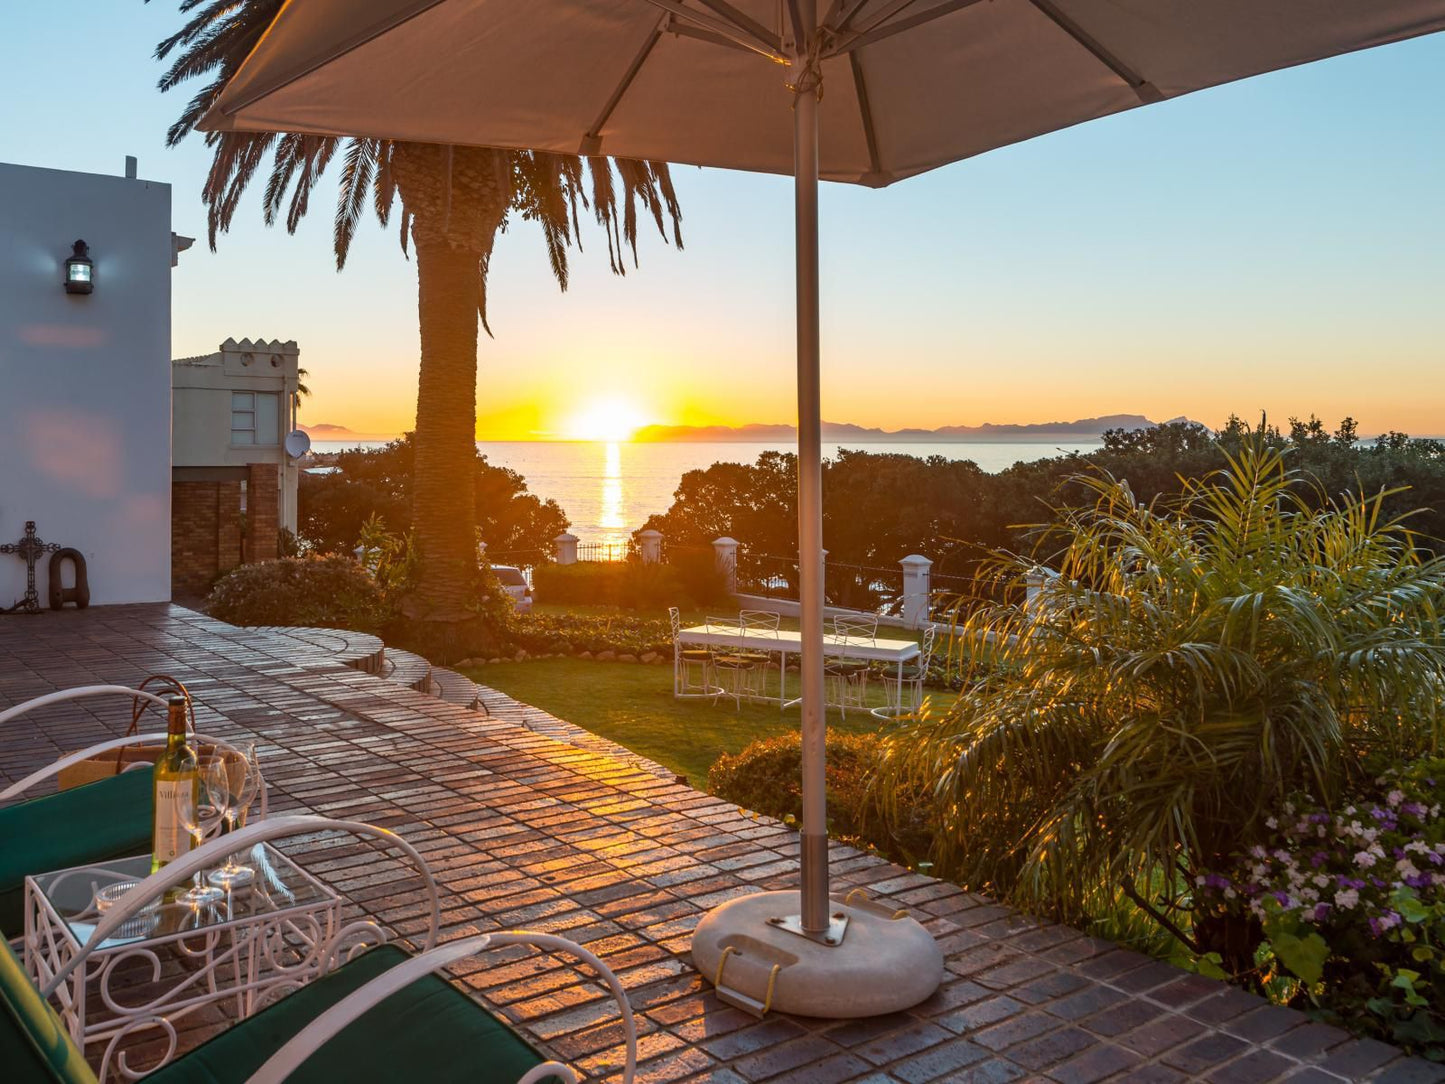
(297, 443)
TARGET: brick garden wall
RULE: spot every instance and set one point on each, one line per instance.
(263, 504)
(205, 533)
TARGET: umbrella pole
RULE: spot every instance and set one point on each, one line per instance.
(815, 905)
(800, 952)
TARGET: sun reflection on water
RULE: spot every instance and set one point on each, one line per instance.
(612, 518)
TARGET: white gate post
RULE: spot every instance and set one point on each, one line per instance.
(725, 552)
(917, 590)
(566, 548)
(649, 543)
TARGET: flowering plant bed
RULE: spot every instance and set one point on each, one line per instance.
(1351, 907)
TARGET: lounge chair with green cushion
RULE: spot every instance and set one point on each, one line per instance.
(43, 834)
(383, 1015)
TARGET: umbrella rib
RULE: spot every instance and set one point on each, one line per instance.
(840, 13)
(348, 45)
(865, 111)
(592, 141)
(1146, 91)
(868, 37)
(723, 27)
(744, 22)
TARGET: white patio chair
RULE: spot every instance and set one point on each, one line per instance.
(845, 674)
(905, 692)
(765, 624)
(692, 668)
(358, 971)
(733, 668)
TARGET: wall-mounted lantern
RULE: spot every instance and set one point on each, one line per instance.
(78, 270)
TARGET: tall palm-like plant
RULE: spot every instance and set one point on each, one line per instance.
(452, 201)
(1193, 662)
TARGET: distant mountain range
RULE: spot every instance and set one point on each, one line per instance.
(988, 433)
(328, 431)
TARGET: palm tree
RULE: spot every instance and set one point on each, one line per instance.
(452, 203)
(1132, 727)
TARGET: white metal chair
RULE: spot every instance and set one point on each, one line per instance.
(846, 676)
(692, 669)
(732, 667)
(269, 1060)
(761, 623)
(905, 691)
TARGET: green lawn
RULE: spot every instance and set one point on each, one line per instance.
(632, 704)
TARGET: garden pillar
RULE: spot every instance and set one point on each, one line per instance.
(725, 550)
(917, 590)
(649, 543)
(1034, 583)
(566, 548)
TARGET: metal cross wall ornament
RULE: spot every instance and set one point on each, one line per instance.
(29, 549)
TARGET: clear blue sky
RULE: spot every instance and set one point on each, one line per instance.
(1278, 244)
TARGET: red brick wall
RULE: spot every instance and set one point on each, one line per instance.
(263, 509)
(205, 533)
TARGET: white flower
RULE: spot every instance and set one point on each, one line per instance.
(1271, 823)
(1346, 898)
(1321, 880)
(1230, 893)
(1395, 797)
(1406, 868)
(1365, 859)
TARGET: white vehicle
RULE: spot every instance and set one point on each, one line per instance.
(515, 584)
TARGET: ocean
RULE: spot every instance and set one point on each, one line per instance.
(609, 490)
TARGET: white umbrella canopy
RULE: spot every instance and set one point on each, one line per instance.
(910, 85)
(879, 90)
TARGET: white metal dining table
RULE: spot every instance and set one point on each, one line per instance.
(785, 642)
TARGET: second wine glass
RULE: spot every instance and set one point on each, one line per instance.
(232, 780)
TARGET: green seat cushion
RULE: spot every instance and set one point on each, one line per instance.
(429, 1031)
(735, 662)
(33, 1044)
(99, 821)
(696, 655)
(844, 667)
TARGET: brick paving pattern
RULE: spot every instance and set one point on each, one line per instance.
(526, 829)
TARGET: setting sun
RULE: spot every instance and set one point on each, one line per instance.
(611, 418)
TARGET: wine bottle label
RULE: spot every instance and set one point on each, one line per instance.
(173, 813)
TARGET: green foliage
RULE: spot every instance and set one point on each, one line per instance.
(766, 777)
(332, 592)
(1195, 658)
(391, 559)
(630, 584)
(572, 634)
(879, 507)
(377, 484)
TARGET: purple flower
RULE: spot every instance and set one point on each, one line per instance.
(1420, 880)
(1283, 898)
(1318, 859)
(1322, 912)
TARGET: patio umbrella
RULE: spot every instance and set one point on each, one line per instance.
(866, 91)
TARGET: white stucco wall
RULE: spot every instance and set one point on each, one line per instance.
(85, 381)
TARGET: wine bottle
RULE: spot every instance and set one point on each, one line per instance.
(177, 791)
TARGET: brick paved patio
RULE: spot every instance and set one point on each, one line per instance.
(523, 829)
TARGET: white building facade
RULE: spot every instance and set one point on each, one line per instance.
(85, 378)
(234, 484)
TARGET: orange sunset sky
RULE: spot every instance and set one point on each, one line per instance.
(1276, 245)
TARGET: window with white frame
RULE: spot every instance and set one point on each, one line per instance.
(255, 417)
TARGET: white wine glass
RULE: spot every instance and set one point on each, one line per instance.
(200, 894)
(232, 782)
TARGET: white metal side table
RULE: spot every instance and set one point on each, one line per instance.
(172, 959)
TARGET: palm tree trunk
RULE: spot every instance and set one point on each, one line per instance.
(457, 199)
(443, 511)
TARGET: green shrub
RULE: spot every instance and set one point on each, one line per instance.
(587, 583)
(1195, 659)
(766, 777)
(573, 633)
(630, 584)
(332, 592)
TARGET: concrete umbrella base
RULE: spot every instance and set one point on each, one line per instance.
(882, 964)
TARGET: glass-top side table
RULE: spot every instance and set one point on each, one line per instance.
(173, 959)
